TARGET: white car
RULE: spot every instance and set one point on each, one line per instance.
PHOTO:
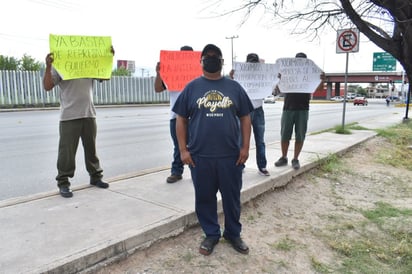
(337, 98)
(271, 99)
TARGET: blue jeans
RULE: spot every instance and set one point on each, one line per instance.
(177, 164)
(258, 124)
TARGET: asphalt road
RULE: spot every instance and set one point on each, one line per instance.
(129, 140)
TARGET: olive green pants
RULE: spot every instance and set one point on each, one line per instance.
(70, 133)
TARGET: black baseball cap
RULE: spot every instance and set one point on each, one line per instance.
(186, 48)
(300, 55)
(211, 47)
(252, 58)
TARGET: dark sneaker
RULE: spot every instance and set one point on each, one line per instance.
(173, 178)
(207, 246)
(239, 245)
(99, 184)
(65, 192)
(283, 161)
(264, 172)
(295, 164)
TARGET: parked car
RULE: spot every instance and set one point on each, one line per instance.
(360, 101)
(337, 98)
(271, 99)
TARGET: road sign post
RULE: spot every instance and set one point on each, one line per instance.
(347, 41)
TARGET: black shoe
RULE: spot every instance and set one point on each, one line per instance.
(173, 178)
(65, 192)
(283, 161)
(239, 245)
(207, 246)
(99, 184)
(295, 164)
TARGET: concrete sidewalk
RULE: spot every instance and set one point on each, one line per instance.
(49, 234)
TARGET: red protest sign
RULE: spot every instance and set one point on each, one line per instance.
(177, 68)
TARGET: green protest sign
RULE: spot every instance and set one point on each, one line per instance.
(82, 56)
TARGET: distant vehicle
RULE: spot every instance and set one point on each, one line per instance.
(271, 99)
(360, 101)
(393, 98)
(337, 98)
(351, 96)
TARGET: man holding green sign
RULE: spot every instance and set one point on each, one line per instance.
(82, 56)
(73, 65)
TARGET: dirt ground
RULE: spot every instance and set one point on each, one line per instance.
(288, 230)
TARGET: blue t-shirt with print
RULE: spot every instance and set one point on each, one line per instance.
(213, 108)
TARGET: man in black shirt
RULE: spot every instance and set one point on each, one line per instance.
(295, 114)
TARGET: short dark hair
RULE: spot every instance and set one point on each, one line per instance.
(252, 58)
(300, 55)
(186, 48)
(211, 47)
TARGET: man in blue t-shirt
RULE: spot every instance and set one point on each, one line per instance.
(215, 111)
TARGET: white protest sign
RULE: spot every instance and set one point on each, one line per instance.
(258, 79)
(298, 75)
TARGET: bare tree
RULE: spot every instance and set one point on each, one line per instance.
(387, 23)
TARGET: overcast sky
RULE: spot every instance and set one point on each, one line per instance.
(140, 29)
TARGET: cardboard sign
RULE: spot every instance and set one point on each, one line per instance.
(82, 56)
(258, 79)
(177, 68)
(298, 75)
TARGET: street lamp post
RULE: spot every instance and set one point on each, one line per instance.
(231, 43)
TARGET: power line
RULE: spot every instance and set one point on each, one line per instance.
(59, 4)
(15, 37)
(22, 40)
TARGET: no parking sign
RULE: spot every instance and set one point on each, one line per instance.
(347, 41)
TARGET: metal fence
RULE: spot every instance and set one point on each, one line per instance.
(25, 89)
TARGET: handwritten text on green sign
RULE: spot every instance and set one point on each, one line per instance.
(82, 56)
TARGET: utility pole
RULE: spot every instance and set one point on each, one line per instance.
(231, 43)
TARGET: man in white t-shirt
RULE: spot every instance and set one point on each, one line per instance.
(257, 117)
(176, 170)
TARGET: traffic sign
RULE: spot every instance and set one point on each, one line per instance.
(347, 41)
(383, 61)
